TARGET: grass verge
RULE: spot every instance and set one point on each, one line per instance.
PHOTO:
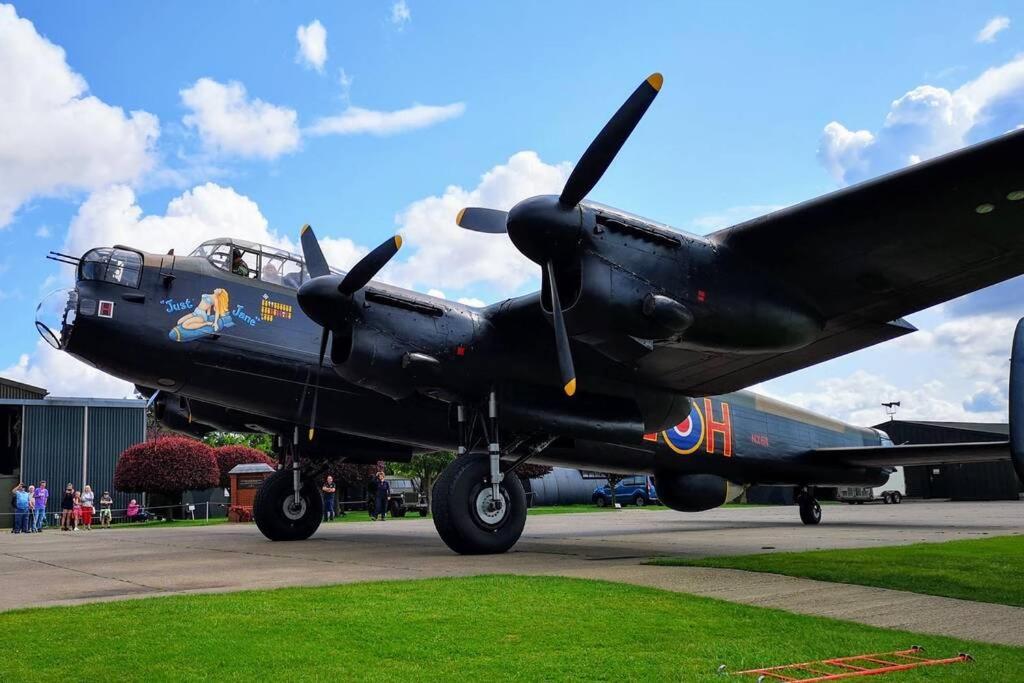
(986, 569)
(500, 627)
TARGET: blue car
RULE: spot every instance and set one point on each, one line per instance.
(638, 490)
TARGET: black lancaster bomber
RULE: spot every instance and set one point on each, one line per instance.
(632, 357)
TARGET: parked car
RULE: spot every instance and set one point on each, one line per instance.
(404, 497)
(891, 493)
(638, 490)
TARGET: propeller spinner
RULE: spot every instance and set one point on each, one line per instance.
(326, 298)
(546, 229)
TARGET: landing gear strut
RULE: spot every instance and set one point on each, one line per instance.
(478, 510)
(810, 509)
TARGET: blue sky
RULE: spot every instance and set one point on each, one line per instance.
(739, 127)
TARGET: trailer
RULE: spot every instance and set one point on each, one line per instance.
(892, 492)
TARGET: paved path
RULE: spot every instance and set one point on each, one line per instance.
(59, 568)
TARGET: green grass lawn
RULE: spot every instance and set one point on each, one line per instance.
(478, 628)
(987, 569)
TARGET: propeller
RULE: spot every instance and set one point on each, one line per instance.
(482, 220)
(547, 229)
(599, 156)
(327, 297)
(561, 337)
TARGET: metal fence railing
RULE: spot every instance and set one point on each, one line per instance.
(190, 511)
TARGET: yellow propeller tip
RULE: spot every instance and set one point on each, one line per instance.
(398, 241)
(655, 80)
(570, 388)
(458, 219)
(305, 229)
(311, 434)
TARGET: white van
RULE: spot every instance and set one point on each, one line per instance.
(891, 492)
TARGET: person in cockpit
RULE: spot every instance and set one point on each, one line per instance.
(238, 266)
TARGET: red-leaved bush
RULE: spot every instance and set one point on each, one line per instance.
(229, 456)
(168, 465)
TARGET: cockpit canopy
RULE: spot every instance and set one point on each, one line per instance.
(254, 261)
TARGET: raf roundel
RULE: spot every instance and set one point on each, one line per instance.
(687, 436)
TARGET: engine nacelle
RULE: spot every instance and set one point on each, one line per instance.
(694, 492)
(402, 343)
(631, 281)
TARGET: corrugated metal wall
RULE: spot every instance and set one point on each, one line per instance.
(54, 447)
(111, 430)
(12, 390)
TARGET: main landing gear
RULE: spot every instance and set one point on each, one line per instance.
(810, 509)
(288, 507)
(477, 508)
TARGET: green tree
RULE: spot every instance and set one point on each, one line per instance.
(424, 469)
(258, 440)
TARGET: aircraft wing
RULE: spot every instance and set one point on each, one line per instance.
(868, 255)
(918, 454)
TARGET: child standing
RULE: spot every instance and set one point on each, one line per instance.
(76, 511)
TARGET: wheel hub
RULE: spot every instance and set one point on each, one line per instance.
(490, 511)
(291, 510)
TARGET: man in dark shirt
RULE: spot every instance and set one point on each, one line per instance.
(329, 489)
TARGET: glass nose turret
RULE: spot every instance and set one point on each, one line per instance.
(55, 316)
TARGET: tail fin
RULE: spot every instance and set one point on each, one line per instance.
(1017, 400)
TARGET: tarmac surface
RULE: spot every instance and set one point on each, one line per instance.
(70, 568)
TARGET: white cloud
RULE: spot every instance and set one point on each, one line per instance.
(858, 397)
(974, 352)
(54, 137)
(64, 375)
(925, 122)
(472, 301)
(312, 45)
(112, 216)
(444, 255)
(345, 81)
(356, 120)
(400, 14)
(230, 123)
(43, 231)
(994, 26)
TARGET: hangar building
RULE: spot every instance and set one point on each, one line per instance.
(64, 440)
(978, 481)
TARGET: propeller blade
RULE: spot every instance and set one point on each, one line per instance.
(316, 264)
(598, 157)
(482, 220)
(561, 337)
(324, 337)
(369, 266)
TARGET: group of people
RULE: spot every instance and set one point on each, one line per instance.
(380, 491)
(77, 508)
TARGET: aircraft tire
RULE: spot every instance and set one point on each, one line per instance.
(271, 507)
(460, 492)
(810, 511)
